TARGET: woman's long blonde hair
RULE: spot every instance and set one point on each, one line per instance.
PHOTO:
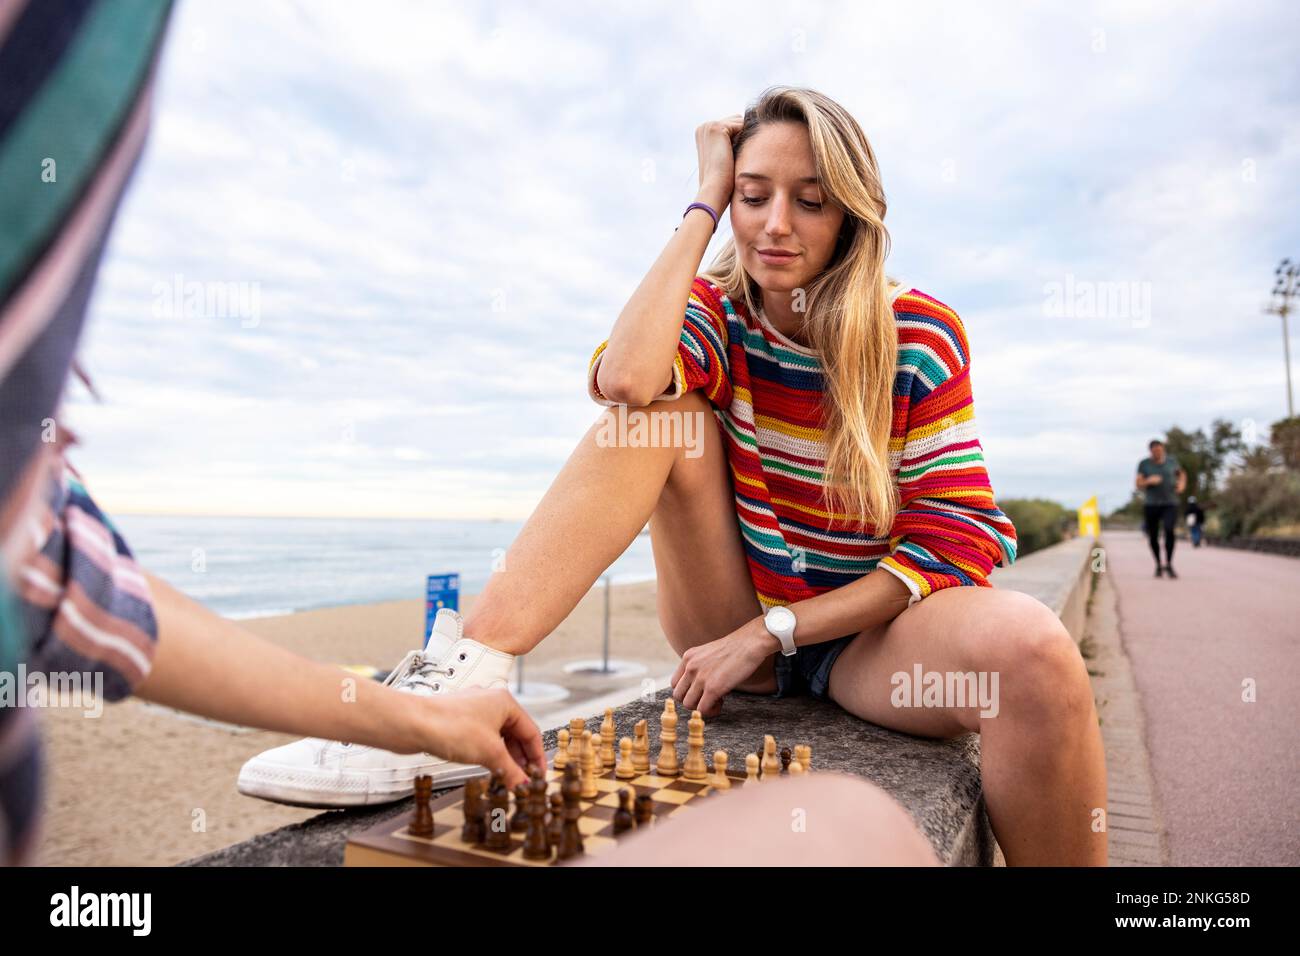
(849, 318)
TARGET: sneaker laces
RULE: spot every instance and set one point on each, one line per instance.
(420, 670)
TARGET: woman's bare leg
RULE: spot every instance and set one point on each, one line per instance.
(600, 500)
(821, 819)
(1042, 762)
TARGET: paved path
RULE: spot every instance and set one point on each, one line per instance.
(1227, 772)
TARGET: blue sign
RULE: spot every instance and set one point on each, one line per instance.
(441, 590)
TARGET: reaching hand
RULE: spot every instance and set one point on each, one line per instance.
(485, 727)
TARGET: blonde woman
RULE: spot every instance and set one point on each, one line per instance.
(834, 527)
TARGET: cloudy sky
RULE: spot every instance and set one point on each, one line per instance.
(428, 215)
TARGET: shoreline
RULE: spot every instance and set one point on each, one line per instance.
(144, 785)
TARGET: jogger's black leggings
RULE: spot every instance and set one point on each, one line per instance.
(1155, 516)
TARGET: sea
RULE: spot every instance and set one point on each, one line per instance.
(256, 567)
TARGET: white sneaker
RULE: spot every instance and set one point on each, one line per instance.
(327, 773)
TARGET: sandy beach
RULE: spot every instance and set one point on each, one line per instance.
(143, 785)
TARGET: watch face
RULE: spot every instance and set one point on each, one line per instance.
(781, 617)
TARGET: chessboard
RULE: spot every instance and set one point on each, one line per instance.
(580, 804)
(392, 844)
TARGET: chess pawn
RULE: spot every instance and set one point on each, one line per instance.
(587, 788)
(519, 822)
(641, 747)
(803, 754)
(751, 769)
(607, 738)
(796, 768)
(597, 760)
(625, 770)
(667, 764)
(720, 779)
(421, 824)
(771, 763)
(695, 770)
(645, 811)
(623, 820)
(786, 757)
(555, 821)
(576, 727)
(562, 752)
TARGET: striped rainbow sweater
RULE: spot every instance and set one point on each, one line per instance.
(767, 391)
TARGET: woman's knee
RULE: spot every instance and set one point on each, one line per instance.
(1041, 673)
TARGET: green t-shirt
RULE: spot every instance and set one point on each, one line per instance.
(1163, 493)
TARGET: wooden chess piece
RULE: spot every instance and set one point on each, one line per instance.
(570, 835)
(607, 739)
(421, 824)
(796, 768)
(645, 811)
(786, 757)
(519, 822)
(597, 760)
(623, 820)
(498, 814)
(587, 787)
(641, 747)
(562, 752)
(667, 764)
(474, 807)
(555, 820)
(576, 727)
(751, 769)
(695, 770)
(803, 753)
(536, 844)
(771, 763)
(720, 779)
(625, 770)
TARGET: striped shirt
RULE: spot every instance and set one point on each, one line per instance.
(767, 392)
(75, 81)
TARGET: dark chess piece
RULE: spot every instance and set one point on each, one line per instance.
(623, 820)
(519, 822)
(570, 835)
(421, 824)
(498, 815)
(474, 807)
(536, 844)
(645, 811)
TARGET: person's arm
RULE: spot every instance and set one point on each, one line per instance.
(708, 672)
(207, 665)
(1180, 482)
(636, 363)
(1141, 481)
(949, 531)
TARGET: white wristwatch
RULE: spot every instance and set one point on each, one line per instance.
(780, 622)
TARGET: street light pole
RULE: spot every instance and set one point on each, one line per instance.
(1285, 289)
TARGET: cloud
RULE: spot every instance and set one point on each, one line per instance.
(439, 213)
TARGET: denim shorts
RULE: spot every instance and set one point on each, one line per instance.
(808, 670)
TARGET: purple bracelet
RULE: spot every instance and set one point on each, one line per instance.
(707, 208)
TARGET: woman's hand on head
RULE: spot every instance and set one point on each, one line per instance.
(713, 141)
(483, 727)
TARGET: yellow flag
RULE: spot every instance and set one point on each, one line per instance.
(1089, 524)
